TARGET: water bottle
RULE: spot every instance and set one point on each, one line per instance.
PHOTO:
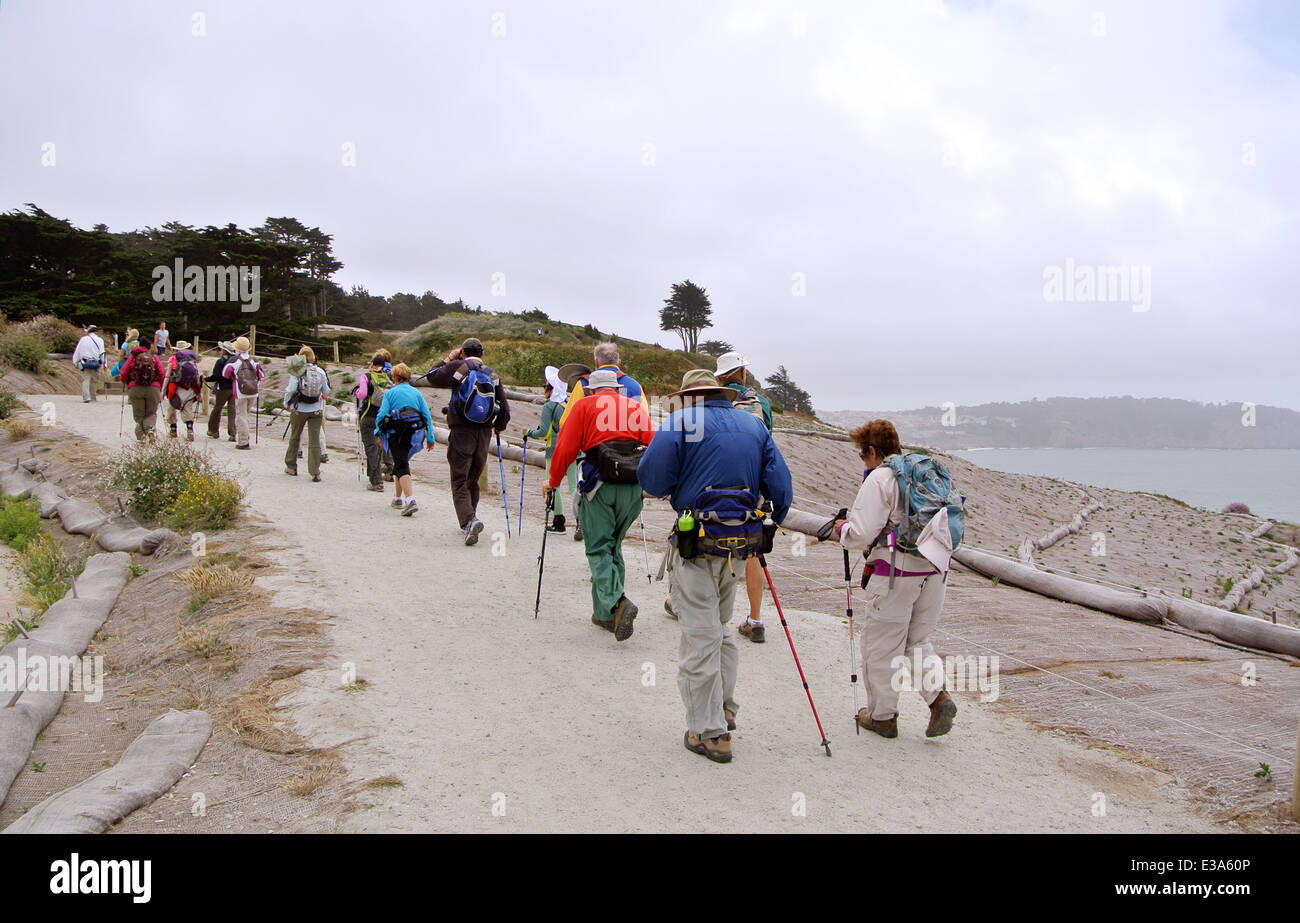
(686, 535)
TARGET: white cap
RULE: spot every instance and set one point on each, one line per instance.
(729, 362)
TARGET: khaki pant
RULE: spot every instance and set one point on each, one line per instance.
(897, 622)
(222, 398)
(243, 410)
(90, 384)
(703, 591)
(144, 408)
(313, 423)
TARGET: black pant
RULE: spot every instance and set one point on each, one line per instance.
(378, 462)
(467, 452)
(399, 443)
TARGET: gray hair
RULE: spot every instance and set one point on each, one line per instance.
(606, 354)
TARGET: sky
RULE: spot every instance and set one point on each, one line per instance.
(902, 203)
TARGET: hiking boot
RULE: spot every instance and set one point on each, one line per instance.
(290, 471)
(883, 728)
(730, 716)
(212, 435)
(624, 613)
(189, 435)
(397, 503)
(668, 608)
(324, 457)
(717, 749)
(942, 710)
(410, 509)
(315, 478)
(577, 533)
(171, 431)
(243, 446)
(378, 488)
(231, 439)
(389, 477)
(557, 524)
(756, 633)
(607, 624)
(472, 529)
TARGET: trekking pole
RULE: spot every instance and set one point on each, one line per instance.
(501, 468)
(781, 615)
(853, 655)
(121, 414)
(257, 430)
(523, 469)
(646, 549)
(541, 558)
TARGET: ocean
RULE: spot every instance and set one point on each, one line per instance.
(1266, 480)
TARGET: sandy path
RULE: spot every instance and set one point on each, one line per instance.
(474, 705)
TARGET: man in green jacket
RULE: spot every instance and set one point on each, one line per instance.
(731, 372)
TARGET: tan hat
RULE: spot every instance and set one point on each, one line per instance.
(182, 344)
(602, 378)
(699, 382)
(241, 344)
(572, 372)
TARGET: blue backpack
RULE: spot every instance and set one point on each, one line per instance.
(925, 487)
(475, 397)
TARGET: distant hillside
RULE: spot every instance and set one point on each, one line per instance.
(1070, 422)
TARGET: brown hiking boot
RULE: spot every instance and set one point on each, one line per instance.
(731, 718)
(607, 624)
(624, 613)
(942, 710)
(883, 728)
(717, 749)
(756, 633)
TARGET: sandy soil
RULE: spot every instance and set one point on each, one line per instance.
(493, 721)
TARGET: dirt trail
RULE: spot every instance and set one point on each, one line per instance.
(473, 705)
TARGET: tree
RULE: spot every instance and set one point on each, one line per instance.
(715, 348)
(782, 390)
(686, 312)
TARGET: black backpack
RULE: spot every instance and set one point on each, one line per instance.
(617, 460)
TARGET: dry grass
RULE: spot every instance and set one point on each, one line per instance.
(211, 581)
(255, 720)
(357, 685)
(206, 643)
(314, 776)
(21, 428)
(385, 782)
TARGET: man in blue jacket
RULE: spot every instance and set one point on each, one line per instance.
(708, 443)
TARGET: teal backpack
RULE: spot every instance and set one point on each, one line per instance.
(925, 487)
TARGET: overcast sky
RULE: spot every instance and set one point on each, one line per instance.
(922, 165)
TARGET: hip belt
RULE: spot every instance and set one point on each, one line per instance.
(882, 568)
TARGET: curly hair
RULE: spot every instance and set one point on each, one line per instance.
(878, 433)
(401, 372)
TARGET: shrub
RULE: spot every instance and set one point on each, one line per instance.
(22, 350)
(57, 334)
(49, 572)
(20, 521)
(21, 429)
(8, 401)
(1235, 507)
(207, 500)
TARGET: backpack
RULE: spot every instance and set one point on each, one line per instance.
(749, 402)
(187, 371)
(379, 385)
(246, 376)
(475, 397)
(925, 488)
(144, 371)
(729, 521)
(616, 460)
(312, 384)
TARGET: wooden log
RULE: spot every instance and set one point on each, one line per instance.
(838, 437)
(1233, 627)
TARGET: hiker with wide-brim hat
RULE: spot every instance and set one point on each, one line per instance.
(246, 374)
(181, 389)
(611, 431)
(548, 429)
(906, 590)
(713, 462)
(222, 394)
(304, 397)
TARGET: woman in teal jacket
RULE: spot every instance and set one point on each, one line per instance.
(402, 419)
(548, 428)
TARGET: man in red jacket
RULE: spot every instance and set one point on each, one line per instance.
(612, 432)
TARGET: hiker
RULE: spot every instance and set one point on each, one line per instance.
(403, 420)
(547, 430)
(478, 407)
(245, 372)
(714, 461)
(183, 383)
(142, 376)
(369, 394)
(905, 590)
(611, 431)
(129, 342)
(160, 338)
(732, 372)
(222, 394)
(304, 397)
(89, 358)
(574, 375)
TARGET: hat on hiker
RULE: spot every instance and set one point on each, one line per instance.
(91, 328)
(559, 388)
(241, 344)
(472, 346)
(572, 372)
(296, 365)
(602, 378)
(729, 362)
(226, 346)
(699, 382)
(182, 344)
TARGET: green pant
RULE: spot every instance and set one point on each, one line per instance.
(605, 519)
(313, 423)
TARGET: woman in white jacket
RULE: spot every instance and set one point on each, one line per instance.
(900, 618)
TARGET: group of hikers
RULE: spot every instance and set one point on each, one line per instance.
(712, 455)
